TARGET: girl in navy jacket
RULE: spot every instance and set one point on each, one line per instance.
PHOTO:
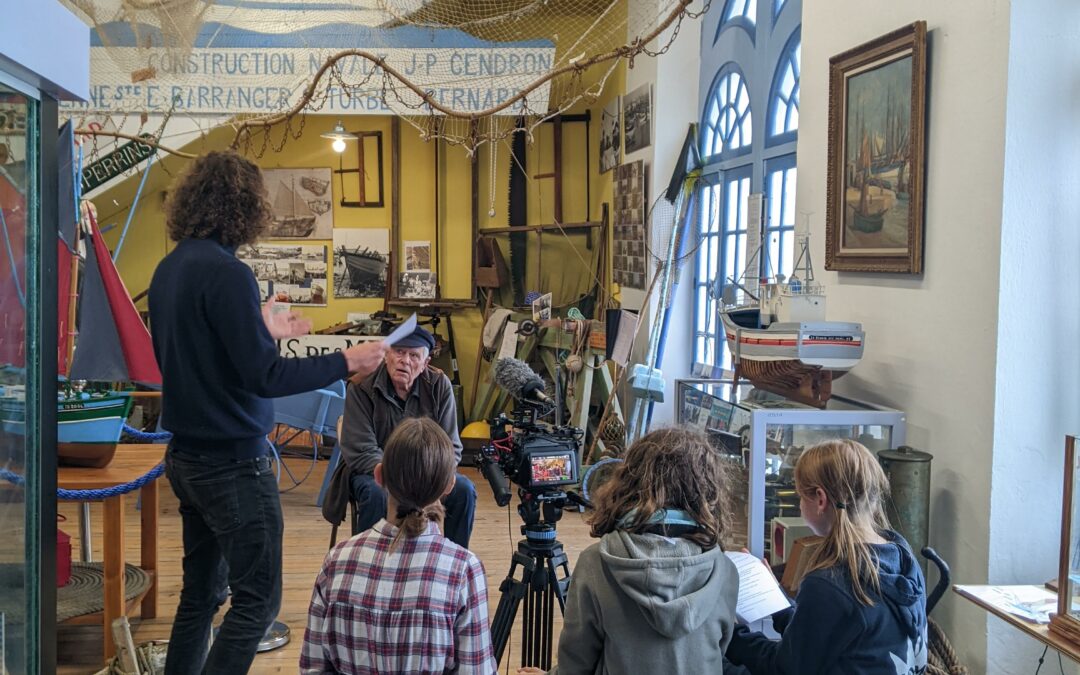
(861, 608)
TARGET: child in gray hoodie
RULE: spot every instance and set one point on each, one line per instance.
(656, 594)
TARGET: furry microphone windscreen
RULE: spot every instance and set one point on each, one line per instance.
(516, 377)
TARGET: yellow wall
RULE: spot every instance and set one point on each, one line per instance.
(565, 260)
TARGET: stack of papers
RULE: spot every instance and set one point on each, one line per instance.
(1031, 603)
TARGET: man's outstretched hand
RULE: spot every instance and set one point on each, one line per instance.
(284, 324)
(364, 359)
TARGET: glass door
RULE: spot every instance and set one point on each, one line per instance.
(20, 391)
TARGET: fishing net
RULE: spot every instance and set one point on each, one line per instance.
(461, 70)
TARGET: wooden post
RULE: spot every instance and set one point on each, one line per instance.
(113, 567)
(149, 559)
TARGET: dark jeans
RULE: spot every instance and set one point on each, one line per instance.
(232, 542)
(460, 506)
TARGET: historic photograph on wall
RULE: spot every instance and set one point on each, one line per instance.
(302, 202)
(418, 256)
(293, 274)
(416, 285)
(629, 239)
(360, 262)
(610, 137)
(637, 118)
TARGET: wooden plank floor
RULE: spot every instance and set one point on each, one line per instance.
(307, 535)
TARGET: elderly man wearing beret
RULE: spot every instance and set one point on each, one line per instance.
(403, 386)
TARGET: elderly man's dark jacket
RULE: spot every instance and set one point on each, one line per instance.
(372, 411)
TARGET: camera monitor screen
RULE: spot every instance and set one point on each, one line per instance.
(552, 469)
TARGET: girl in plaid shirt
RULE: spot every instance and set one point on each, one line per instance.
(400, 597)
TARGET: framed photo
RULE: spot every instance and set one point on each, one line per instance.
(637, 118)
(610, 137)
(301, 201)
(877, 155)
(361, 255)
(293, 274)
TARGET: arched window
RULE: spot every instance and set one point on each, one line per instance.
(728, 125)
(749, 173)
(784, 99)
(741, 13)
(741, 9)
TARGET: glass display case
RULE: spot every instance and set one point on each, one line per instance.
(1066, 622)
(763, 434)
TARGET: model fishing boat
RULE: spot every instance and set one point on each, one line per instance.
(780, 340)
(292, 215)
(88, 425)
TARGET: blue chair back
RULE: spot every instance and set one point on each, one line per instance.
(315, 411)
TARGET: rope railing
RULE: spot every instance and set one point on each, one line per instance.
(146, 436)
(92, 495)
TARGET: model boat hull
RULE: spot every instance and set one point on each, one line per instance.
(87, 429)
(799, 359)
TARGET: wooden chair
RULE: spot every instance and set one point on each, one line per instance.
(354, 512)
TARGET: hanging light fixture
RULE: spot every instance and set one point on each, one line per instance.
(339, 135)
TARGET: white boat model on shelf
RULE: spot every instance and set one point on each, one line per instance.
(779, 338)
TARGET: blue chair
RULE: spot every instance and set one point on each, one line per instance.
(314, 412)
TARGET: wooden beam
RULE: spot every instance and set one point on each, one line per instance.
(395, 198)
(538, 228)
(557, 140)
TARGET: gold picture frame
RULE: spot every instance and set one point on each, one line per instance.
(877, 155)
(1066, 622)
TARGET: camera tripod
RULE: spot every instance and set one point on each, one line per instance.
(540, 557)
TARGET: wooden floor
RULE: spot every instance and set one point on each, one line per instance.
(307, 535)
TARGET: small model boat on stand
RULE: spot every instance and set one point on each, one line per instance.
(779, 338)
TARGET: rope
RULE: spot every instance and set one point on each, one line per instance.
(93, 495)
(146, 436)
(942, 658)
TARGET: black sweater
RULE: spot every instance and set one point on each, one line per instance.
(219, 364)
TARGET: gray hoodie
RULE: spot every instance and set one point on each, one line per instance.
(642, 603)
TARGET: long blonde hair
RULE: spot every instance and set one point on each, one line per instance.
(666, 469)
(855, 485)
(418, 464)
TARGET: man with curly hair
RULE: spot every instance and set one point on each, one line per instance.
(221, 367)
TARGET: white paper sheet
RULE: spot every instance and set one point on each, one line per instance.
(759, 593)
(508, 348)
(406, 328)
(624, 339)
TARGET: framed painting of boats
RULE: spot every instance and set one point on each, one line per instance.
(877, 155)
(302, 203)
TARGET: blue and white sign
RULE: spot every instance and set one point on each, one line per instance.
(234, 70)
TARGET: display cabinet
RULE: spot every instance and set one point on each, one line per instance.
(1066, 622)
(763, 435)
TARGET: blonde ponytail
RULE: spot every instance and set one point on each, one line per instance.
(855, 486)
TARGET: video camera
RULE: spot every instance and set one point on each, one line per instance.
(538, 458)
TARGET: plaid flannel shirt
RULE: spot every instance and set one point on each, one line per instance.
(421, 608)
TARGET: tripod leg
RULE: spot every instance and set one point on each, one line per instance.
(511, 591)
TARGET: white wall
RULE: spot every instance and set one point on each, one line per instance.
(931, 340)
(1038, 400)
(31, 36)
(674, 78)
